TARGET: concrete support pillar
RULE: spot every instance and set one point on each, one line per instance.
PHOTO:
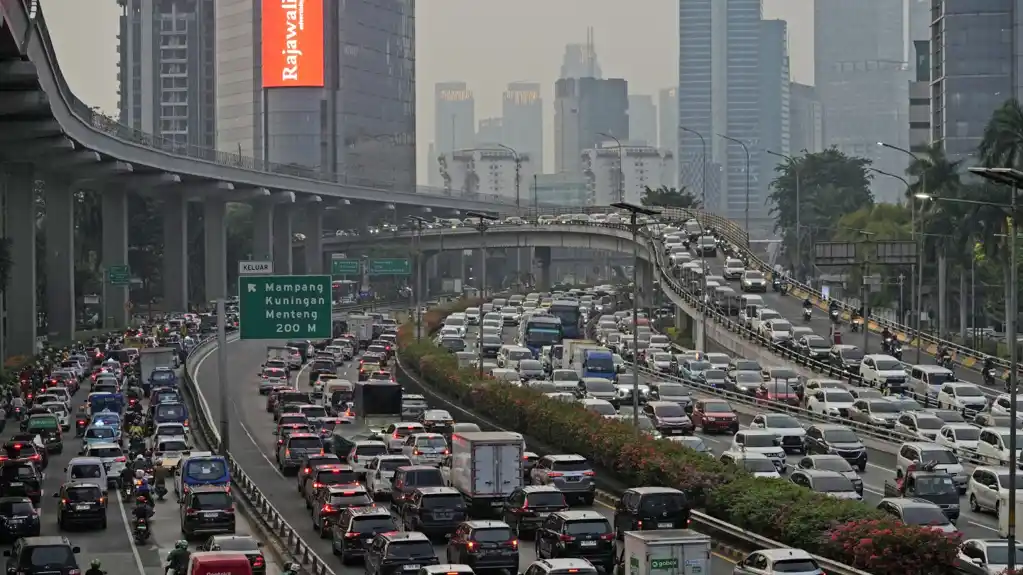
(645, 277)
(282, 239)
(175, 253)
(263, 231)
(21, 284)
(542, 258)
(60, 260)
(215, 237)
(116, 308)
(314, 239)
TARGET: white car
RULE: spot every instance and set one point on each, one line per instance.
(753, 281)
(1002, 404)
(659, 342)
(959, 395)
(919, 452)
(959, 437)
(379, 472)
(785, 427)
(988, 488)
(718, 360)
(396, 433)
(62, 393)
(830, 401)
(473, 315)
(993, 446)
(458, 321)
(60, 411)
(776, 330)
(763, 314)
(757, 464)
(920, 424)
(425, 448)
(763, 442)
(734, 269)
(170, 429)
(877, 369)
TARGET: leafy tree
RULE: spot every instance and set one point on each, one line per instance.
(669, 198)
(880, 222)
(831, 184)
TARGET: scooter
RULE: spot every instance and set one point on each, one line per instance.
(807, 312)
(141, 531)
(834, 315)
(856, 324)
(897, 351)
(989, 376)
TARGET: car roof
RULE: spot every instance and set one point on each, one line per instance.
(785, 553)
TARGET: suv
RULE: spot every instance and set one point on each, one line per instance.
(295, 448)
(21, 478)
(484, 544)
(827, 438)
(311, 462)
(331, 500)
(433, 510)
(52, 555)
(326, 476)
(527, 507)
(409, 478)
(650, 508)
(571, 474)
(81, 502)
(207, 509)
(20, 518)
(561, 567)
(394, 552)
(355, 529)
(578, 534)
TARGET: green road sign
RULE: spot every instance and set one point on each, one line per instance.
(398, 267)
(659, 564)
(343, 267)
(119, 275)
(284, 307)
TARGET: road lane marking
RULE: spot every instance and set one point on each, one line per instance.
(131, 536)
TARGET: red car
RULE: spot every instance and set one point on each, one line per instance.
(778, 392)
(715, 416)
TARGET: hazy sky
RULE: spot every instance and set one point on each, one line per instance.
(486, 43)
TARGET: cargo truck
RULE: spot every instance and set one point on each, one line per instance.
(486, 467)
(665, 552)
(151, 358)
(572, 349)
(361, 326)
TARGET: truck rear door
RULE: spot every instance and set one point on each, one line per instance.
(509, 468)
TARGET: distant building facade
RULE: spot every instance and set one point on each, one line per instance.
(491, 172)
(642, 119)
(522, 111)
(584, 108)
(455, 117)
(622, 175)
(806, 117)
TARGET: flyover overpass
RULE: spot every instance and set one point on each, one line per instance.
(46, 133)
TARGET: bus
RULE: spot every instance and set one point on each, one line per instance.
(538, 331)
(571, 318)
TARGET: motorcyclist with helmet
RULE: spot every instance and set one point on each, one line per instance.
(94, 568)
(177, 559)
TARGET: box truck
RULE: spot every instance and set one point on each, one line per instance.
(666, 552)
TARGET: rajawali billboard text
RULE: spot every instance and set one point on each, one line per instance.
(292, 43)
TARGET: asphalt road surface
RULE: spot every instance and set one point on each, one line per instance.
(253, 446)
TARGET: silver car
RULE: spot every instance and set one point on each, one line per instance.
(572, 474)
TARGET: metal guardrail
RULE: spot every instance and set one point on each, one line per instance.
(874, 432)
(267, 514)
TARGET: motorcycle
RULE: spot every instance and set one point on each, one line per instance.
(857, 324)
(945, 360)
(80, 426)
(897, 351)
(776, 284)
(807, 312)
(989, 376)
(834, 315)
(141, 531)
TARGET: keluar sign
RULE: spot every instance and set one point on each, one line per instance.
(292, 43)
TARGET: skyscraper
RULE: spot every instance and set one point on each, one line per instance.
(862, 78)
(667, 119)
(583, 109)
(522, 109)
(970, 80)
(580, 60)
(806, 119)
(719, 80)
(352, 108)
(642, 119)
(490, 132)
(455, 117)
(166, 69)
(774, 96)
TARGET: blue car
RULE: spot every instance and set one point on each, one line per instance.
(170, 412)
(163, 376)
(96, 434)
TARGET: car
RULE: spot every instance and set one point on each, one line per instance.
(785, 427)
(668, 417)
(985, 556)
(394, 552)
(778, 391)
(527, 506)
(733, 269)
(81, 503)
(883, 372)
(778, 561)
(425, 448)
(331, 500)
(813, 346)
(325, 476)
(988, 488)
(876, 412)
(379, 472)
(833, 463)
(572, 474)
(20, 518)
(921, 424)
(845, 357)
(21, 478)
(355, 528)
(43, 555)
(753, 281)
(577, 534)
(651, 508)
(295, 448)
(760, 441)
(207, 509)
(714, 416)
(777, 331)
(993, 445)
(310, 463)
(831, 439)
(396, 433)
(918, 512)
(828, 483)
(961, 395)
(484, 545)
(756, 464)
(247, 545)
(961, 438)
(835, 402)
(560, 567)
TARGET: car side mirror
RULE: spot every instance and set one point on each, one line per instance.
(76, 549)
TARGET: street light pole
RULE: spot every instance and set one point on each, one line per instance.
(1013, 179)
(744, 149)
(635, 211)
(799, 227)
(417, 239)
(703, 153)
(518, 176)
(621, 167)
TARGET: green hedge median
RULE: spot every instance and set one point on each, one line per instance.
(846, 531)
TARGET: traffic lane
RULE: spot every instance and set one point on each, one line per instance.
(792, 309)
(253, 444)
(113, 545)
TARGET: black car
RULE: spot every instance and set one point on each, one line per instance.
(355, 529)
(434, 511)
(651, 508)
(408, 478)
(813, 346)
(846, 357)
(321, 366)
(53, 555)
(579, 535)
(22, 447)
(826, 438)
(310, 463)
(527, 507)
(20, 478)
(20, 518)
(332, 500)
(484, 545)
(81, 503)
(323, 477)
(207, 509)
(395, 552)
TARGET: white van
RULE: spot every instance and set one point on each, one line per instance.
(86, 468)
(508, 375)
(926, 380)
(510, 355)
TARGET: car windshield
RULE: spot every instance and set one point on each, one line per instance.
(530, 365)
(408, 549)
(852, 354)
(796, 566)
(779, 387)
(373, 449)
(305, 443)
(779, 421)
(453, 321)
(998, 553)
(587, 527)
(314, 412)
(783, 374)
(888, 365)
(236, 544)
(664, 357)
(105, 452)
(838, 396)
(747, 365)
(671, 390)
(37, 558)
(929, 423)
(883, 407)
(838, 464)
(835, 484)
(669, 410)
(816, 341)
(493, 535)
(692, 442)
(602, 408)
(83, 493)
(660, 503)
(565, 375)
(86, 471)
(206, 469)
(19, 472)
(517, 354)
(599, 386)
(10, 508)
(431, 442)
(924, 515)
(781, 326)
(757, 465)
(491, 340)
(760, 440)
(935, 485)
(968, 391)
(211, 500)
(747, 377)
(752, 275)
(714, 375)
(392, 464)
(700, 366)
(372, 524)
(716, 407)
(173, 445)
(840, 436)
(170, 411)
(99, 433)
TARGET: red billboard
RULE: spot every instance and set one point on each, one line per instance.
(292, 43)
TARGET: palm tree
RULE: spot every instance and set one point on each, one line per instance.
(937, 175)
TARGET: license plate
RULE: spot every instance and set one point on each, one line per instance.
(410, 567)
(588, 544)
(573, 478)
(543, 514)
(665, 525)
(210, 514)
(81, 507)
(675, 431)
(496, 503)
(15, 521)
(17, 484)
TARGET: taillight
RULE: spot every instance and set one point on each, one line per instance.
(470, 545)
(607, 536)
(555, 474)
(417, 452)
(352, 535)
(514, 544)
(589, 473)
(306, 470)
(566, 538)
(121, 459)
(258, 561)
(191, 511)
(317, 485)
(328, 508)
